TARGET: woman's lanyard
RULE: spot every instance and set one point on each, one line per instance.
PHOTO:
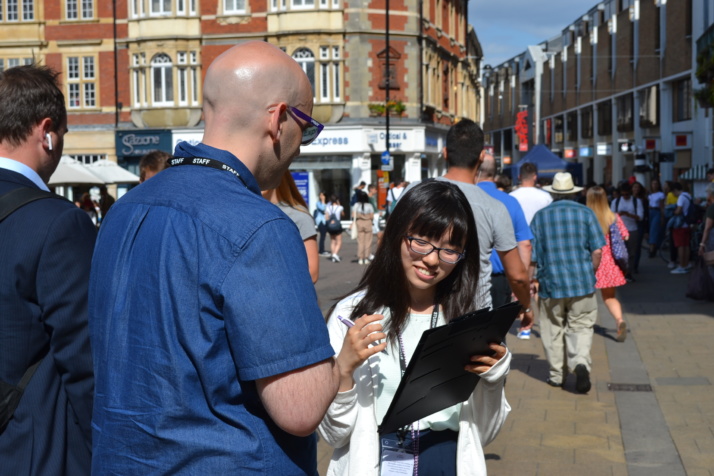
(401, 433)
(205, 162)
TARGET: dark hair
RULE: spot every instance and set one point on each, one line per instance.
(362, 197)
(154, 161)
(430, 209)
(677, 186)
(625, 187)
(29, 94)
(464, 143)
(503, 181)
(528, 171)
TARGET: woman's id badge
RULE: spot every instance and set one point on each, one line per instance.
(396, 460)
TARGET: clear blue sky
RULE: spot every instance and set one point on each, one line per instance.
(506, 27)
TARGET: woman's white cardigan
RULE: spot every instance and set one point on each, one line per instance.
(350, 425)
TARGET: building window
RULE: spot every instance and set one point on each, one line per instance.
(330, 88)
(625, 119)
(160, 7)
(558, 130)
(233, 6)
(586, 123)
(604, 118)
(81, 82)
(12, 10)
(28, 10)
(649, 107)
(306, 59)
(88, 158)
(297, 4)
(75, 9)
(572, 123)
(682, 100)
(162, 80)
(12, 62)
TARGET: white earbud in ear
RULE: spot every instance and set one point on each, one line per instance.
(49, 141)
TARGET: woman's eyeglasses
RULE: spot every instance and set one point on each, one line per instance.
(314, 128)
(423, 247)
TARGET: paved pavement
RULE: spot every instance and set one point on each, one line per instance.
(650, 411)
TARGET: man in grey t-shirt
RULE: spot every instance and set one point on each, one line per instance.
(464, 144)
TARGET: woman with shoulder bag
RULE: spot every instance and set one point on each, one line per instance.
(608, 275)
(333, 217)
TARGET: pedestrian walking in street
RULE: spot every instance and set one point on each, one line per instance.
(320, 222)
(422, 276)
(632, 211)
(501, 291)
(655, 200)
(211, 352)
(567, 249)
(334, 212)
(362, 215)
(608, 275)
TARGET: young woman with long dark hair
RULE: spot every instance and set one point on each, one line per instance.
(424, 274)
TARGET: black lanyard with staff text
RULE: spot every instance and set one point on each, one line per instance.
(401, 433)
(402, 356)
(205, 162)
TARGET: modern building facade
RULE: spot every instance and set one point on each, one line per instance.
(613, 92)
(132, 73)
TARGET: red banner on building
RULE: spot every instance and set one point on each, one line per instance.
(521, 129)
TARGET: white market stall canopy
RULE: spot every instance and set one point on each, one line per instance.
(111, 172)
(71, 172)
(102, 172)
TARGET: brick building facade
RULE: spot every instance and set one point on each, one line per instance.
(132, 72)
(613, 92)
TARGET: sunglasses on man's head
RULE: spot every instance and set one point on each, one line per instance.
(314, 128)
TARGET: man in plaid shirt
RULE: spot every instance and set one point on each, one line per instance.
(566, 252)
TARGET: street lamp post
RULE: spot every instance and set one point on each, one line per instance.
(388, 72)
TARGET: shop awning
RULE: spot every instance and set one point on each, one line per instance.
(698, 172)
(111, 172)
(71, 172)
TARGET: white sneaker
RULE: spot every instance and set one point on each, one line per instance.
(689, 266)
(672, 265)
(679, 270)
(335, 259)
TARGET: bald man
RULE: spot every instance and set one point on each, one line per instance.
(211, 352)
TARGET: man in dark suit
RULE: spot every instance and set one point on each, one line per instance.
(45, 252)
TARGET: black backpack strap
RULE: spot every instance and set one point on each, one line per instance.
(28, 375)
(20, 197)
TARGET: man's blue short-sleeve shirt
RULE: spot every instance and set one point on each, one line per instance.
(518, 218)
(199, 288)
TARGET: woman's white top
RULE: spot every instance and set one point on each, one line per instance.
(350, 425)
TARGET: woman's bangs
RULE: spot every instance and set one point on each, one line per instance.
(433, 222)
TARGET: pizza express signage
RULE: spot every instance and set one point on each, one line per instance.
(139, 143)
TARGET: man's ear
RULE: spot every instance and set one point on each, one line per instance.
(444, 154)
(276, 121)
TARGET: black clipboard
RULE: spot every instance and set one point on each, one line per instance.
(435, 377)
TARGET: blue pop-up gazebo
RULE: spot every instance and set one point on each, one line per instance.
(548, 165)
